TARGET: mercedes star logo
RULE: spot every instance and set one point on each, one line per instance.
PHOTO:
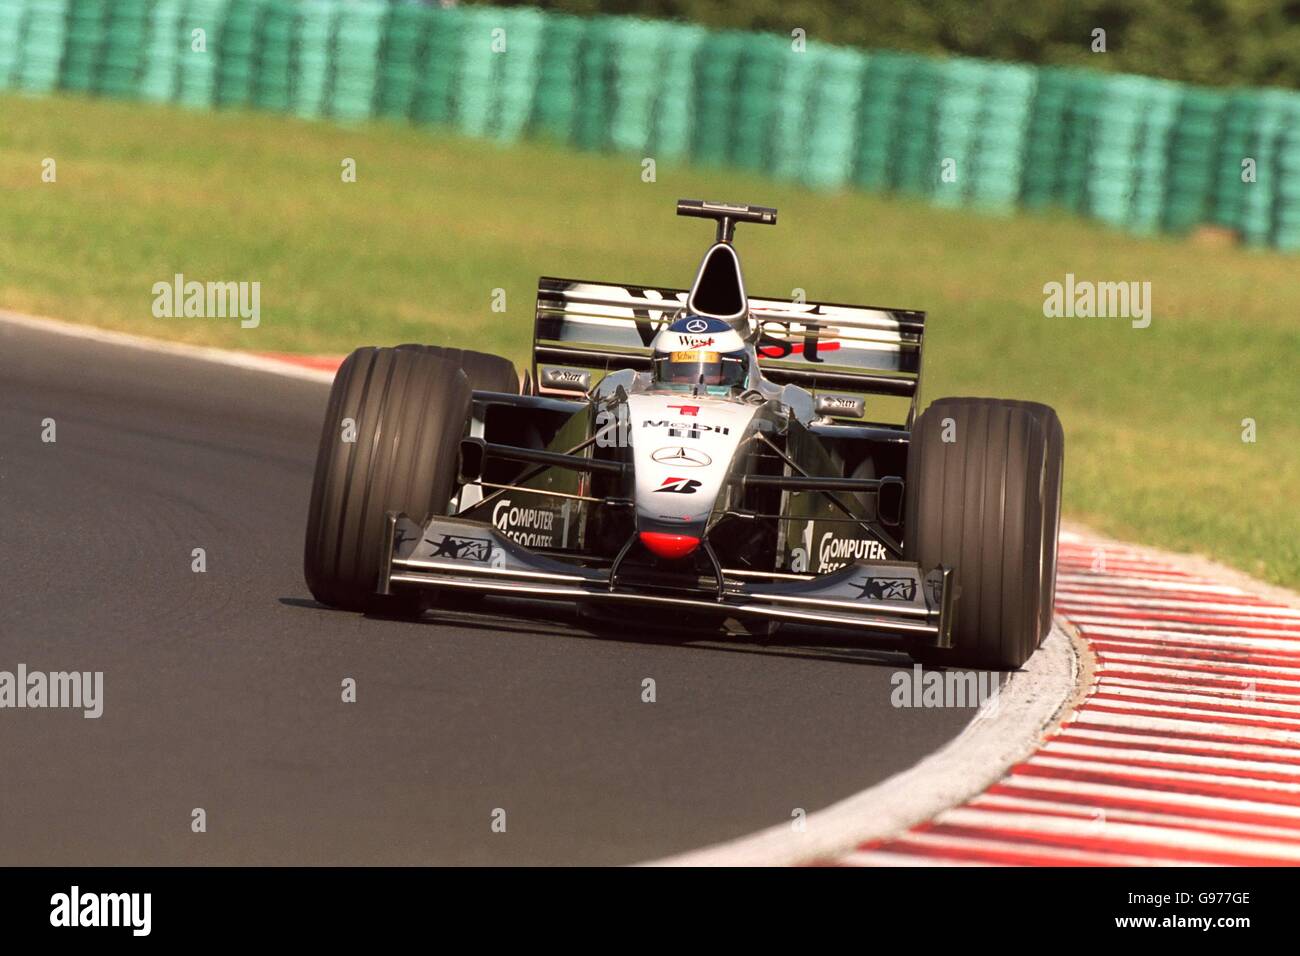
(687, 457)
(697, 325)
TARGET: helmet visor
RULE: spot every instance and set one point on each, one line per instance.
(700, 367)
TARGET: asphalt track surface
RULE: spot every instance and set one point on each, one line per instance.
(222, 690)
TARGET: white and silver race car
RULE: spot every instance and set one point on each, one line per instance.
(718, 459)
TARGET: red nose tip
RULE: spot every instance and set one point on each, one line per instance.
(669, 545)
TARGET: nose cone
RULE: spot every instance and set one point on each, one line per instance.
(667, 545)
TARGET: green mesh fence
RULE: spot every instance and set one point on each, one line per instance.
(1138, 153)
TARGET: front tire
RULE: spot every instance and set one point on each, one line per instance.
(977, 501)
(486, 372)
(1051, 423)
(405, 412)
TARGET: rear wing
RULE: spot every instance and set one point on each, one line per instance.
(595, 327)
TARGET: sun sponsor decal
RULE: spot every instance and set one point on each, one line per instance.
(844, 406)
(570, 378)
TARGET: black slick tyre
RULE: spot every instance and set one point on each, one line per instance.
(390, 442)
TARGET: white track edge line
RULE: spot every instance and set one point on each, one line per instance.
(202, 353)
(1028, 707)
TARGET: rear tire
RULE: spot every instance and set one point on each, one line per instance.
(977, 504)
(409, 410)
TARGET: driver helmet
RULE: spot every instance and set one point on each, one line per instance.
(698, 350)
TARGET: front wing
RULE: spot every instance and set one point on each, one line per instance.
(885, 597)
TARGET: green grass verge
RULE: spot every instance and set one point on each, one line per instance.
(413, 250)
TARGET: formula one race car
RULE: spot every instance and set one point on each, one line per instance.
(701, 455)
